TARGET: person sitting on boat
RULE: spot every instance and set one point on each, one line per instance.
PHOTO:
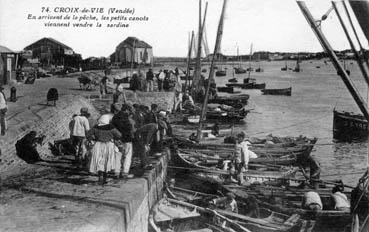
(312, 201)
(314, 169)
(339, 199)
(243, 154)
(227, 203)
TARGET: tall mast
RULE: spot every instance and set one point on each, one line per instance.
(327, 47)
(197, 71)
(357, 56)
(189, 59)
(211, 72)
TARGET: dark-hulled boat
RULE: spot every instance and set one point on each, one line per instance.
(221, 73)
(236, 101)
(285, 91)
(233, 80)
(250, 83)
(349, 126)
(239, 70)
(226, 89)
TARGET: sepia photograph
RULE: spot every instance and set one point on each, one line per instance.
(184, 116)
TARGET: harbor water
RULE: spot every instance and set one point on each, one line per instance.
(316, 91)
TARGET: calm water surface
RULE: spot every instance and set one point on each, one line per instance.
(309, 111)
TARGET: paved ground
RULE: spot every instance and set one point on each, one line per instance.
(54, 195)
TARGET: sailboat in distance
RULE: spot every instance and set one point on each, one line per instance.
(259, 69)
(285, 68)
(250, 69)
(239, 69)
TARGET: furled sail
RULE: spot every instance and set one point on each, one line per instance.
(361, 11)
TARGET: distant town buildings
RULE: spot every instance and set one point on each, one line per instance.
(132, 51)
(49, 51)
(8, 64)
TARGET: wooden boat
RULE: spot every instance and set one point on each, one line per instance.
(251, 84)
(259, 70)
(267, 220)
(255, 86)
(209, 170)
(236, 101)
(233, 80)
(239, 70)
(325, 218)
(173, 215)
(285, 91)
(287, 160)
(285, 68)
(349, 126)
(300, 150)
(236, 85)
(226, 89)
(221, 73)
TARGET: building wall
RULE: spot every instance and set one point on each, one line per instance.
(49, 52)
(124, 54)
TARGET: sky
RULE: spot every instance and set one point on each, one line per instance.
(270, 25)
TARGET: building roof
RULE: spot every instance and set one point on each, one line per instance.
(52, 40)
(133, 41)
(5, 50)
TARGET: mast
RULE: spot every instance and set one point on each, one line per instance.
(250, 58)
(357, 56)
(197, 71)
(327, 47)
(189, 59)
(211, 72)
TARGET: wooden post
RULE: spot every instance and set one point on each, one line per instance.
(326, 46)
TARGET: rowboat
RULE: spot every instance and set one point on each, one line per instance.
(236, 101)
(285, 91)
(221, 73)
(226, 89)
(286, 160)
(239, 70)
(209, 169)
(299, 150)
(267, 221)
(174, 215)
(283, 204)
(233, 80)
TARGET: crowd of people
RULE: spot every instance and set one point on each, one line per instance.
(164, 80)
(108, 147)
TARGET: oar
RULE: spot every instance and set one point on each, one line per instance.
(206, 210)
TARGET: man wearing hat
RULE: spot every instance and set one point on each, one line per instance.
(78, 128)
(126, 126)
(3, 110)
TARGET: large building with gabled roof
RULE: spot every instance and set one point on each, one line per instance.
(132, 51)
(49, 51)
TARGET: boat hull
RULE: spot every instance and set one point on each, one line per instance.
(285, 92)
(348, 127)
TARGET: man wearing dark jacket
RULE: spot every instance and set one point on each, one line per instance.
(124, 123)
(145, 136)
